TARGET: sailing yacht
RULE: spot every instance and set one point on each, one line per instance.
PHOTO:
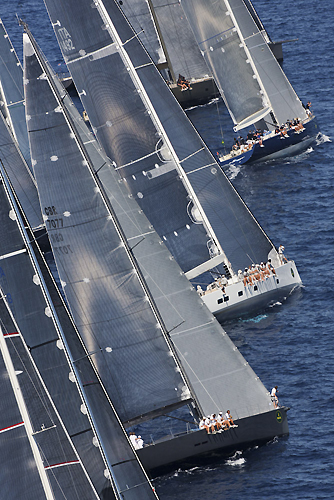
(65, 428)
(255, 89)
(165, 33)
(152, 342)
(166, 165)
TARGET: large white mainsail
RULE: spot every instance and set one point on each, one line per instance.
(248, 76)
(100, 273)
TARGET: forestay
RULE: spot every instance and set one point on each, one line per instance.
(166, 165)
(220, 376)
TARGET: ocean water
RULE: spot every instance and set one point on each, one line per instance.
(290, 345)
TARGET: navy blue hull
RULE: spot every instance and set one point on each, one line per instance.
(275, 147)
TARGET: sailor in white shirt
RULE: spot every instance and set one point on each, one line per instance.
(133, 439)
(229, 419)
(140, 443)
(274, 397)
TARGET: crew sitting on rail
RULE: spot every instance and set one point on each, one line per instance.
(183, 83)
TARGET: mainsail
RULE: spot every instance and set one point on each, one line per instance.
(249, 78)
(93, 429)
(162, 159)
(12, 93)
(14, 143)
(167, 21)
(90, 271)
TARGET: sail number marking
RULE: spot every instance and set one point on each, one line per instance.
(55, 223)
(65, 40)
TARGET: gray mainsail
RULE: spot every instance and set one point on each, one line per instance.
(91, 422)
(20, 175)
(248, 76)
(119, 322)
(164, 162)
(15, 448)
(168, 22)
(60, 469)
(220, 376)
(139, 14)
(12, 93)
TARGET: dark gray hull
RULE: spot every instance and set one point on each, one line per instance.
(193, 448)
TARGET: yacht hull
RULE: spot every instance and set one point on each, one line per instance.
(195, 447)
(202, 91)
(275, 147)
(240, 300)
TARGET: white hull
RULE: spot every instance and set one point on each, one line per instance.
(239, 300)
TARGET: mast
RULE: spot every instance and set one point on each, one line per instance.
(169, 63)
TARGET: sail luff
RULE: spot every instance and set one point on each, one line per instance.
(25, 415)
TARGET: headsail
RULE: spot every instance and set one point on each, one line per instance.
(220, 376)
(246, 72)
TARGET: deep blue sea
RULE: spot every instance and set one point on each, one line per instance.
(292, 344)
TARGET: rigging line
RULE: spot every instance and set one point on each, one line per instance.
(135, 486)
(177, 418)
(133, 37)
(139, 159)
(192, 154)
